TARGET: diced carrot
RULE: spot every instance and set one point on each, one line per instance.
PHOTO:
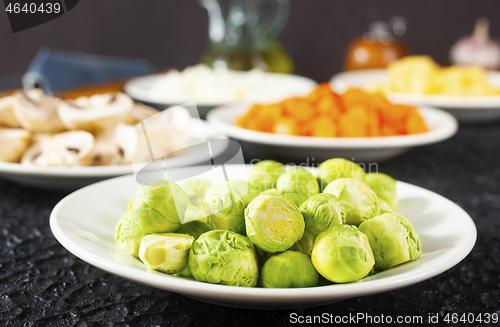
(271, 111)
(353, 131)
(378, 100)
(415, 124)
(306, 128)
(267, 115)
(324, 113)
(254, 110)
(323, 126)
(394, 112)
(254, 125)
(389, 130)
(352, 126)
(286, 126)
(395, 115)
(374, 124)
(300, 109)
(319, 92)
(242, 122)
(329, 106)
(358, 112)
(353, 96)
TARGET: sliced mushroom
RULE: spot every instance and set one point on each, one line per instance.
(160, 135)
(111, 146)
(13, 142)
(139, 112)
(37, 112)
(96, 113)
(73, 148)
(7, 118)
(39, 137)
(166, 132)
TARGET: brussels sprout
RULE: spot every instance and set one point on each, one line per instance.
(288, 270)
(226, 202)
(359, 200)
(129, 204)
(305, 244)
(194, 228)
(384, 186)
(159, 208)
(224, 257)
(336, 168)
(292, 197)
(195, 190)
(184, 273)
(393, 240)
(322, 211)
(166, 252)
(273, 223)
(262, 256)
(264, 174)
(300, 181)
(342, 254)
(128, 234)
(384, 207)
(150, 220)
(194, 213)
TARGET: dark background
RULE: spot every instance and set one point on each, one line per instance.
(42, 284)
(173, 33)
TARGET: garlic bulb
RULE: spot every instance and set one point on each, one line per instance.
(477, 49)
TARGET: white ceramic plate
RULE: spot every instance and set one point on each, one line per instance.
(83, 223)
(441, 126)
(140, 89)
(464, 108)
(72, 178)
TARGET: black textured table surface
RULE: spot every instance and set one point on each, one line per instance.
(42, 284)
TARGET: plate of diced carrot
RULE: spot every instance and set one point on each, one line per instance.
(355, 124)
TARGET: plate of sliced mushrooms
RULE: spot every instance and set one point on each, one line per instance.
(52, 143)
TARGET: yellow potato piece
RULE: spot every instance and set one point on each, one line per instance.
(421, 75)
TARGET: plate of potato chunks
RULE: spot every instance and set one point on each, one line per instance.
(471, 94)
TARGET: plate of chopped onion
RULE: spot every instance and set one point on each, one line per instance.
(211, 87)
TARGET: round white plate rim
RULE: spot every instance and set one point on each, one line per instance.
(89, 171)
(441, 101)
(133, 90)
(434, 135)
(323, 293)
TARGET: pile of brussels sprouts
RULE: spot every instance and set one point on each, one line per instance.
(281, 229)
